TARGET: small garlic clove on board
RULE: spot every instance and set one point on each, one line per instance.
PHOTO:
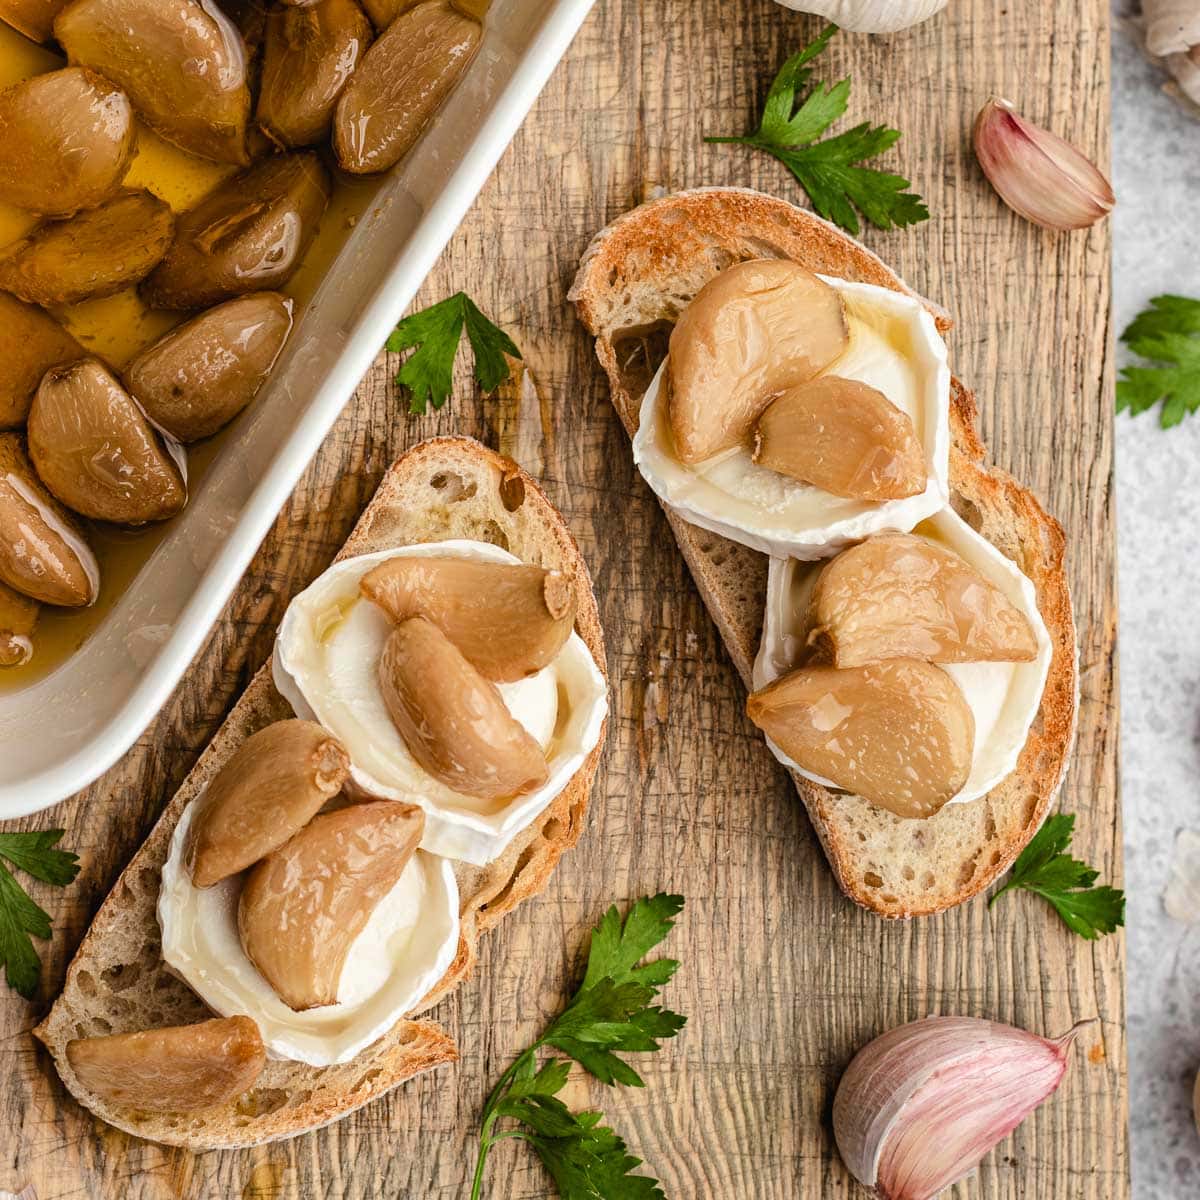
(920, 1106)
(1036, 173)
(871, 16)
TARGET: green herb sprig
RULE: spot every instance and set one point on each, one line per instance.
(1166, 332)
(828, 170)
(21, 919)
(435, 333)
(1046, 869)
(612, 1011)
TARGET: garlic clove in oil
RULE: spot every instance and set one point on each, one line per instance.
(1038, 174)
(920, 1106)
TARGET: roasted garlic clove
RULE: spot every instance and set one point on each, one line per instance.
(95, 450)
(33, 18)
(309, 55)
(401, 82)
(180, 1068)
(181, 62)
(755, 330)
(272, 785)
(95, 253)
(453, 721)
(844, 437)
(68, 138)
(384, 12)
(31, 342)
(897, 595)
(507, 620)
(302, 907)
(42, 552)
(196, 378)
(250, 233)
(898, 733)
(18, 616)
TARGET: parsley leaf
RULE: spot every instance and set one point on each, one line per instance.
(20, 918)
(435, 332)
(1166, 332)
(1045, 869)
(829, 170)
(612, 1010)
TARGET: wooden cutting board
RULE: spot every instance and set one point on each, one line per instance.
(782, 978)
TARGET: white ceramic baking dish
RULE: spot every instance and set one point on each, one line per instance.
(60, 733)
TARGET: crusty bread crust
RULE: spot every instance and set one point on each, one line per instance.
(634, 280)
(449, 487)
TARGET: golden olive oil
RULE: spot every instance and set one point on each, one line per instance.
(117, 327)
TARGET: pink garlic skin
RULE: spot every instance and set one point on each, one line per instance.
(919, 1107)
(1036, 173)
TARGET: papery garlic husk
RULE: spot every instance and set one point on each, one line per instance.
(1185, 70)
(919, 1107)
(871, 16)
(1038, 174)
(1172, 26)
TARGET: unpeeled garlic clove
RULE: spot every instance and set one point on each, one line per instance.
(870, 16)
(920, 1106)
(1036, 173)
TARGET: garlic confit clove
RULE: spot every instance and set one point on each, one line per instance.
(870, 16)
(1038, 174)
(920, 1106)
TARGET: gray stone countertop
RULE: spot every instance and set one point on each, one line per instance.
(1157, 249)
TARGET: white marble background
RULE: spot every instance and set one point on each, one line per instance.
(1157, 236)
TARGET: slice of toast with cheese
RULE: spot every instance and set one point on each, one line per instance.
(635, 279)
(445, 488)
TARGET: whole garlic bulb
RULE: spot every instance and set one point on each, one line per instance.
(871, 16)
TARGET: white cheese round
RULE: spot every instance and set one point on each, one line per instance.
(326, 666)
(1004, 697)
(407, 945)
(895, 348)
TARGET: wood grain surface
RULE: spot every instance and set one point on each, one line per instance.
(783, 979)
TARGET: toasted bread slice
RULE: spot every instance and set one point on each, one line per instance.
(635, 278)
(448, 487)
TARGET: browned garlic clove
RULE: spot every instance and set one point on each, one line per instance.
(303, 906)
(272, 785)
(43, 554)
(1037, 174)
(899, 733)
(402, 81)
(508, 620)
(95, 450)
(453, 720)
(897, 595)
(198, 376)
(18, 616)
(919, 1107)
(33, 18)
(181, 1068)
(95, 253)
(844, 437)
(755, 330)
(31, 342)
